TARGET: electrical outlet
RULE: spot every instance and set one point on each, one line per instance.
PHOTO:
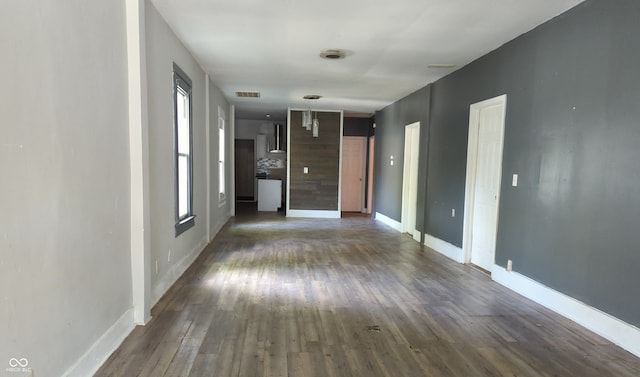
(514, 180)
(509, 265)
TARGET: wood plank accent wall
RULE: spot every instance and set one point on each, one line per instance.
(317, 190)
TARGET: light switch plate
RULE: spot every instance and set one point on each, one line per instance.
(305, 170)
(514, 180)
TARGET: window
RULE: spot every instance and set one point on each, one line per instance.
(183, 143)
(221, 152)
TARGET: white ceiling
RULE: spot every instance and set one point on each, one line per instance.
(273, 46)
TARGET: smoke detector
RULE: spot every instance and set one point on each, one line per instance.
(333, 54)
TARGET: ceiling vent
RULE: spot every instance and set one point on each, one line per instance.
(333, 54)
(312, 96)
(248, 94)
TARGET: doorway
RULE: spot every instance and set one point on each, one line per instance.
(410, 179)
(245, 169)
(354, 154)
(484, 171)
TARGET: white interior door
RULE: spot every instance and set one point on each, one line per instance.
(410, 178)
(485, 147)
(353, 173)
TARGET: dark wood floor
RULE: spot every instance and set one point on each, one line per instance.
(273, 296)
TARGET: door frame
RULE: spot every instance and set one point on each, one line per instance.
(363, 172)
(410, 178)
(472, 161)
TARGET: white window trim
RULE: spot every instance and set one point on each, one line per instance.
(183, 223)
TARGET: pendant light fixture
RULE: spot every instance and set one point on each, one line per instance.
(315, 126)
(306, 119)
(309, 121)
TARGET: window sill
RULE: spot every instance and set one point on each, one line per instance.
(185, 224)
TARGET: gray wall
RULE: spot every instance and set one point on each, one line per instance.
(219, 214)
(357, 126)
(65, 262)
(390, 127)
(164, 48)
(571, 134)
(65, 197)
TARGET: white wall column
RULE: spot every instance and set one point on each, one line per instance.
(139, 160)
(207, 128)
(232, 159)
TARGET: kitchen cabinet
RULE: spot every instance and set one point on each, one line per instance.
(269, 194)
(281, 174)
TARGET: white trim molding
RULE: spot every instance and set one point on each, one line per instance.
(416, 234)
(313, 213)
(388, 221)
(89, 363)
(617, 331)
(445, 248)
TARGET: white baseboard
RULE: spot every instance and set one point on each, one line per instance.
(313, 213)
(168, 279)
(389, 221)
(99, 352)
(445, 248)
(416, 234)
(617, 331)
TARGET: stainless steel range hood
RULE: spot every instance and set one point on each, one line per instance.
(280, 142)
